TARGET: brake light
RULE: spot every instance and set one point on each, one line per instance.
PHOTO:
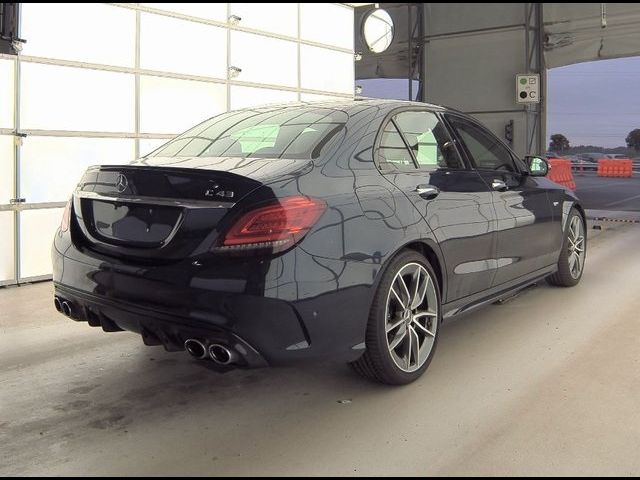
(276, 226)
(66, 216)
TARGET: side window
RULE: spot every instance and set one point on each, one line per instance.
(393, 151)
(486, 152)
(429, 140)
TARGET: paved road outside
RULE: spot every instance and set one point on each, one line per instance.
(547, 383)
(608, 193)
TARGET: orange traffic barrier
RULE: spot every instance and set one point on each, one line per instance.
(560, 172)
(622, 167)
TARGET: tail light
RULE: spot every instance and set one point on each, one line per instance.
(276, 226)
(66, 216)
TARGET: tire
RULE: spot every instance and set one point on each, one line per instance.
(416, 322)
(568, 275)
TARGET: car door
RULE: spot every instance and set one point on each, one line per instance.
(415, 152)
(526, 231)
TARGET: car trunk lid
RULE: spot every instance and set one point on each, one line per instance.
(166, 209)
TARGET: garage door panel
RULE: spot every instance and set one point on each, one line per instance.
(164, 42)
(314, 97)
(77, 99)
(148, 145)
(315, 62)
(81, 32)
(51, 167)
(280, 18)
(7, 93)
(209, 11)
(242, 97)
(169, 105)
(327, 23)
(6, 168)
(264, 60)
(7, 253)
(37, 228)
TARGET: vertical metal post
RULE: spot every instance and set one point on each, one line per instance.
(17, 151)
(137, 86)
(542, 106)
(228, 57)
(410, 45)
(299, 36)
(421, 53)
(425, 61)
(527, 57)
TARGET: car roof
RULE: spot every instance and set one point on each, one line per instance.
(357, 102)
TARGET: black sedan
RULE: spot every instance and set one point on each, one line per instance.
(345, 231)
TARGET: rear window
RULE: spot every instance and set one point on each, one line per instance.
(287, 132)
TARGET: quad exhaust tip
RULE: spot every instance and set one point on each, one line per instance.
(65, 307)
(218, 353)
(195, 348)
(222, 355)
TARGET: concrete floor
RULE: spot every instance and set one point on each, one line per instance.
(547, 383)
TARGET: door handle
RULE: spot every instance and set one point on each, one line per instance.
(499, 185)
(427, 191)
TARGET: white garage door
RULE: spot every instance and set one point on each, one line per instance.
(105, 83)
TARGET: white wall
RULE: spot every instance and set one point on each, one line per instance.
(98, 83)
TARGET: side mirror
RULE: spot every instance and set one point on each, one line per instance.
(538, 166)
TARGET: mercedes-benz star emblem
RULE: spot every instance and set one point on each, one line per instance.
(121, 183)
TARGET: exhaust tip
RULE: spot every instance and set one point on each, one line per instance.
(195, 348)
(57, 304)
(67, 309)
(221, 354)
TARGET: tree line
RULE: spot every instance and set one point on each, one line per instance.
(560, 143)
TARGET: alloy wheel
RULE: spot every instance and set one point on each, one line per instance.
(411, 317)
(576, 247)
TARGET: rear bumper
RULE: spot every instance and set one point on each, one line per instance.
(155, 328)
(270, 312)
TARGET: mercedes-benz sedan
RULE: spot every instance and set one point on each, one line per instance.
(345, 231)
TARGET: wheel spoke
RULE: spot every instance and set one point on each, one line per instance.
(575, 227)
(395, 294)
(408, 359)
(415, 285)
(424, 329)
(398, 339)
(394, 325)
(418, 298)
(404, 289)
(572, 262)
(414, 341)
(578, 263)
(427, 313)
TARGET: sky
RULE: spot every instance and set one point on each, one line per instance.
(594, 103)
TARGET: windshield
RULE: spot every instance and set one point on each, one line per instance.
(285, 132)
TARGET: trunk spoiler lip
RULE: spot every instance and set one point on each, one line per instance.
(168, 202)
(289, 168)
(170, 169)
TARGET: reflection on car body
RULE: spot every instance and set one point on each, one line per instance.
(344, 230)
